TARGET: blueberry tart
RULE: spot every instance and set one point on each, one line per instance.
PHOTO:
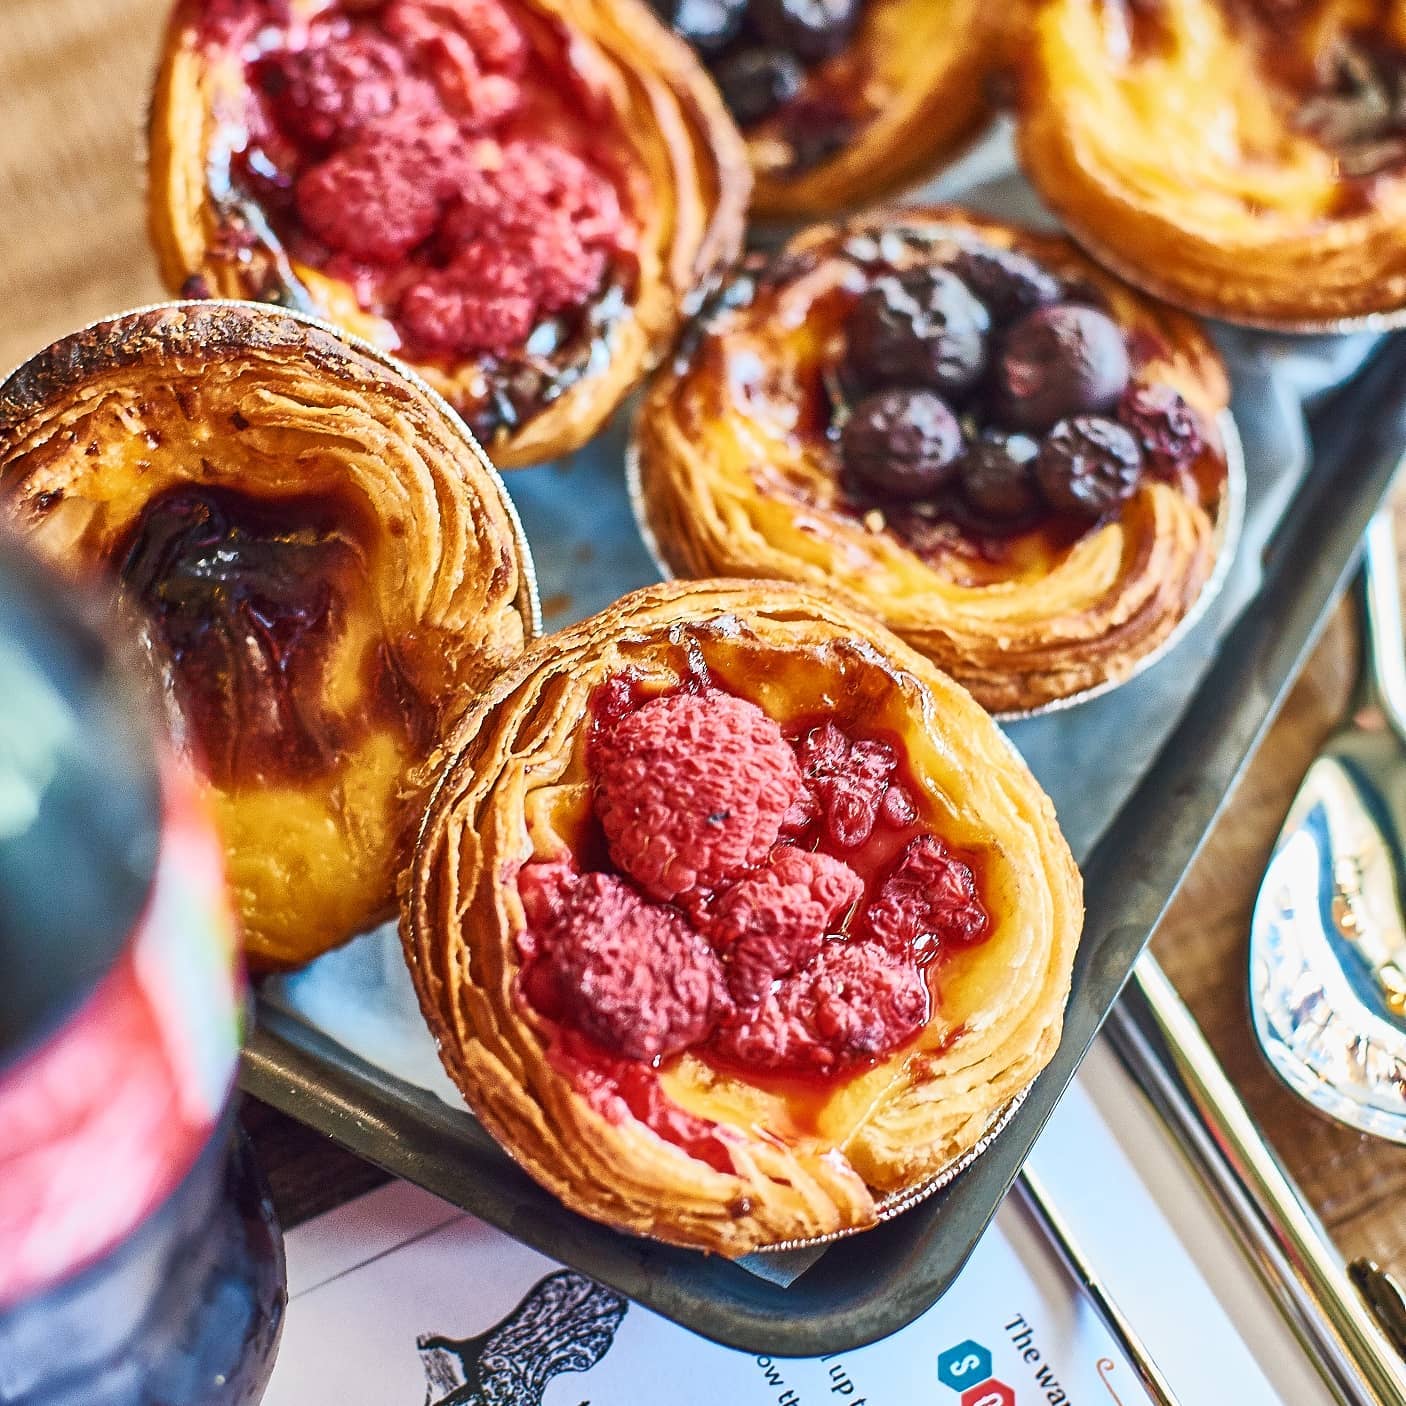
(967, 429)
(843, 101)
(321, 568)
(1242, 158)
(735, 919)
(517, 197)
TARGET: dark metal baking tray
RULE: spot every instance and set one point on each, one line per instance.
(864, 1288)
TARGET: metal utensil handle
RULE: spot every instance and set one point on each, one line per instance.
(1082, 1271)
(1383, 669)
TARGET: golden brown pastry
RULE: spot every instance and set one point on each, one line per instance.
(734, 917)
(518, 197)
(1243, 158)
(325, 568)
(843, 101)
(969, 430)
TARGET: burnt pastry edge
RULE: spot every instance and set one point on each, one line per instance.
(228, 327)
(204, 330)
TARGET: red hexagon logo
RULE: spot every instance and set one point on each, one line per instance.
(992, 1393)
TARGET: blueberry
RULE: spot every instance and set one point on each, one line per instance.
(1009, 283)
(998, 478)
(756, 82)
(1166, 428)
(1088, 465)
(1061, 361)
(901, 445)
(920, 328)
(709, 25)
(813, 30)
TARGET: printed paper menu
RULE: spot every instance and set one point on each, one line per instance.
(401, 1298)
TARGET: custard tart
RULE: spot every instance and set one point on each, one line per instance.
(1242, 158)
(844, 101)
(322, 569)
(518, 197)
(737, 921)
(968, 430)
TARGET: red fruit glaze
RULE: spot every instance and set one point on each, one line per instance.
(422, 142)
(630, 974)
(928, 902)
(620, 1088)
(817, 964)
(853, 1004)
(772, 923)
(691, 790)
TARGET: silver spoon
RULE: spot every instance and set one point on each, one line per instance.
(1328, 936)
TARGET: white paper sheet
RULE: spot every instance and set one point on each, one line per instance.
(371, 1281)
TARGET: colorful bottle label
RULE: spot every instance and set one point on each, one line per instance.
(101, 1123)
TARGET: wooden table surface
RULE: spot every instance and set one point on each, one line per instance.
(74, 74)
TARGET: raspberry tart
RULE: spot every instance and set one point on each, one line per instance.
(1289, 216)
(322, 568)
(843, 101)
(968, 429)
(517, 197)
(735, 919)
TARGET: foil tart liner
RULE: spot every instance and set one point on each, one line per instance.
(895, 1204)
(1228, 523)
(528, 602)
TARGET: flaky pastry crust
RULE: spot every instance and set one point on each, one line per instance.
(1202, 149)
(734, 482)
(654, 110)
(914, 83)
(509, 793)
(323, 567)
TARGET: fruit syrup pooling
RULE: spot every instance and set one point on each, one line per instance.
(428, 154)
(767, 900)
(979, 398)
(761, 52)
(246, 601)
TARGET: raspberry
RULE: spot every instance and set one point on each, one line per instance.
(628, 973)
(471, 50)
(850, 783)
(517, 252)
(928, 901)
(1165, 426)
(483, 302)
(691, 790)
(520, 186)
(773, 922)
(485, 25)
(325, 94)
(855, 1002)
(562, 183)
(378, 198)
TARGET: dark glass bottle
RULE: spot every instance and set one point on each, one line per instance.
(140, 1260)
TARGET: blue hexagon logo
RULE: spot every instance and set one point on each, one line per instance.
(964, 1365)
